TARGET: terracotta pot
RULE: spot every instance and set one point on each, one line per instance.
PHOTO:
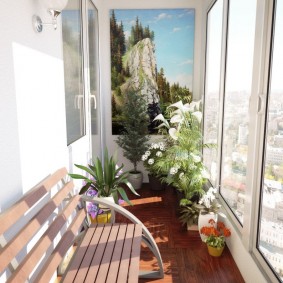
(215, 251)
(203, 221)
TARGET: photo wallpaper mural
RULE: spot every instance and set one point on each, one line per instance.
(152, 53)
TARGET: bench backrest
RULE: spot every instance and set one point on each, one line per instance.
(37, 231)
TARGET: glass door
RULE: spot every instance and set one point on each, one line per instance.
(92, 24)
(80, 48)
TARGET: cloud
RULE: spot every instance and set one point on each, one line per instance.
(184, 80)
(162, 16)
(127, 34)
(176, 29)
(187, 62)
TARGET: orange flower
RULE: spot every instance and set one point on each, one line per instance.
(216, 234)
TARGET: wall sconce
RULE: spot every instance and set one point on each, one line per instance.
(54, 7)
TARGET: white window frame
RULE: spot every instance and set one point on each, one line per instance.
(257, 117)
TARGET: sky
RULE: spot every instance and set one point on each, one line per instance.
(174, 39)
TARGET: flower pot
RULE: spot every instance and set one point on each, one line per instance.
(101, 218)
(155, 183)
(135, 178)
(215, 251)
(203, 221)
(104, 217)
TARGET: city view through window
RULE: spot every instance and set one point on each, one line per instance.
(238, 82)
(270, 240)
(235, 122)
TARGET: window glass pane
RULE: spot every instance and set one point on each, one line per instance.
(270, 240)
(74, 94)
(241, 30)
(212, 87)
(94, 78)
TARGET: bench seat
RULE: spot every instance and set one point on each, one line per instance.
(38, 232)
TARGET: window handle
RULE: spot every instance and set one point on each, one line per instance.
(78, 101)
(92, 96)
(261, 104)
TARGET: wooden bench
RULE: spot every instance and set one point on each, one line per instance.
(40, 231)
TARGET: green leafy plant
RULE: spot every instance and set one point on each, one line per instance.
(189, 213)
(107, 179)
(182, 159)
(134, 138)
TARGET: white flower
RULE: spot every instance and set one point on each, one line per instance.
(144, 157)
(172, 133)
(198, 115)
(176, 119)
(161, 144)
(150, 161)
(147, 153)
(173, 170)
(165, 123)
(162, 148)
(208, 198)
(181, 175)
(196, 158)
(159, 153)
(155, 146)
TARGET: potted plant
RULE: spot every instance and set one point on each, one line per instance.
(183, 159)
(154, 153)
(183, 156)
(208, 209)
(189, 214)
(134, 137)
(104, 180)
(216, 234)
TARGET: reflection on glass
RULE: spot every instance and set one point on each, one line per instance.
(270, 240)
(241, 30)
(212, 87)
(94, 77)
(74, 94)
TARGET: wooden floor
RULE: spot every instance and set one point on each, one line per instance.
(184, 255)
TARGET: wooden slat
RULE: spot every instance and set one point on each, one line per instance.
(115, 263)
(108, 253)
(76, 263)
(135, 254)
(13, 214)
(125, 259)
(31, 260)
(59, 253)
(98, 255)
(26, 234)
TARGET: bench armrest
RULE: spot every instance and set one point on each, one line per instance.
(146, 235)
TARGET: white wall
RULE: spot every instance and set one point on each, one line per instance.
(104, 7)
(32, 109)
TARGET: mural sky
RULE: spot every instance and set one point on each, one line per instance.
(173, 36)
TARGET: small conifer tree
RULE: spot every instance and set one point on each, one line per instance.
(134, 137)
